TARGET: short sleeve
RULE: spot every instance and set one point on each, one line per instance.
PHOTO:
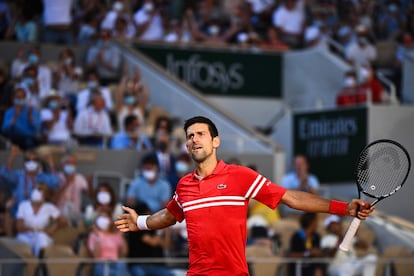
(175, 209)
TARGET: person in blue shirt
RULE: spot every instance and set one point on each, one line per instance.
(21, 123)
(300, 179)
(149, 188)
(24, 179)
(130, 137)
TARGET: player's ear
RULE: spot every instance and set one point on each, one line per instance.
(216, 142)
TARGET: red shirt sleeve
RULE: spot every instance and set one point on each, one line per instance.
(175, 209)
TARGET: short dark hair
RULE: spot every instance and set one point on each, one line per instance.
(306, 219)
(129, 119)
(149, 158)
(203, 120)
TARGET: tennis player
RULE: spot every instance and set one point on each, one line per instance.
(214, 201)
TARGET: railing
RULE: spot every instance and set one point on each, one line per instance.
(383, 264)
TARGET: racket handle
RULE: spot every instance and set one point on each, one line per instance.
(347, 241)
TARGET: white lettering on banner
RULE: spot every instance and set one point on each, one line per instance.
(327, 137)
(204, 74)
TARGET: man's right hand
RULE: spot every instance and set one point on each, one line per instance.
(127, 222)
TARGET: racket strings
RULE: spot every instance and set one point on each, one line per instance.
(382, 169)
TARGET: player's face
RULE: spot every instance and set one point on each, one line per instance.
(200, 144)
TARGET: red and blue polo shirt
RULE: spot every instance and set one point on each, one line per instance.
(215, 209)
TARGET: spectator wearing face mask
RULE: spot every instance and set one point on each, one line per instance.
(148, 22)
(149, 187)
(93, 87)
(57, 121)
(21, 123)
(25, 178)
(38, 219)
(43, 73)
(93, 125)
(104, 199)
(73, 187)
(351, 93)
(107, 246)
(361, 52)
(131, 137)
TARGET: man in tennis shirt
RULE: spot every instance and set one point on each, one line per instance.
(214, 201)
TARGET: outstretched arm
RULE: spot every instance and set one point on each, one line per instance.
(128, 222)
(313, 203)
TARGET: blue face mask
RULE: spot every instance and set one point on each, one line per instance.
(53, 104)
(29, 81)
(19, 101)
(69, 169)
(92, 84)
(33, 59)
(129, 100)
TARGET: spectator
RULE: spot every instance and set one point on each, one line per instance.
(123, 28)
(21, 124)
(351, 94)
(361, 52)
(93, 125)
(5, 18)
(305, 243)
(372, 86)
(301, 178)
(131, 137)
(84, 97)
(272, 41)
(107, 246)
(132, 98)
(345, 263)
(391, 22)
(57, 121)
(289, 20)
(44, 74)
(148, 21)
(24, 179)
(38, 219)
(162, 127)
(106, 60)
(67, 75)
(148, 244)
(240, 29)
(23, 28)
(405, 45)
(149, 187)
(166, 159)
(57, 21)
(183, 164)
(6, 92)
(18, 64)
(104, 200)
(88, 29)
(30, 84)
(73, 187)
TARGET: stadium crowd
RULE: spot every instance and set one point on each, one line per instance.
(95, 102)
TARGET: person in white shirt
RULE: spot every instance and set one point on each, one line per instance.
(44, 74)
(57, 20)
(361, 52)
(93, 125)
(93, 86)
(38, 219)
(289, 20)
(148, 22)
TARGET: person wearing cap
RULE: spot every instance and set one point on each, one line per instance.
(345, 263)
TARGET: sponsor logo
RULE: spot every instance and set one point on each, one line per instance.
(221, 186)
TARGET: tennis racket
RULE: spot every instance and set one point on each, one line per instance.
(381, 170)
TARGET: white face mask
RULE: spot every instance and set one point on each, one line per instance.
(148, 7)
(36, 196)
(103, 197)
(181, 167)
(103, 222)
(69, 169)
(149, 174)
(31, 165)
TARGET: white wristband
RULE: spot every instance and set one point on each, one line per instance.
(142, 222)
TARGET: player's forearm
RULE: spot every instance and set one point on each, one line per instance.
(307, 202)
(160, 219)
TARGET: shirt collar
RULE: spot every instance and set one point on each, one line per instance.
(219, 167)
